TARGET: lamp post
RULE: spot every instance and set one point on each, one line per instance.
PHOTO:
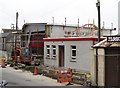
(99, 29)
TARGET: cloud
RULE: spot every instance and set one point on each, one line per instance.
(44, 10)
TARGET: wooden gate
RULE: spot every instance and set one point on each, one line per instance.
(112, 66)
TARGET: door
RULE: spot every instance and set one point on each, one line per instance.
(61, 56)
(112, 67)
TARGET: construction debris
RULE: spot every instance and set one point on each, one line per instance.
(77, 77)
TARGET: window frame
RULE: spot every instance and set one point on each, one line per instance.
(73, 58)
(48, 50)
(53, 49)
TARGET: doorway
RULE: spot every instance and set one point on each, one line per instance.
(61, 56)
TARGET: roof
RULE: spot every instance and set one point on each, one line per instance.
(73, 39)
(9, 30)
(110, 41)
(4, 35)
(73, 26)
(28, 24)
(60, 25)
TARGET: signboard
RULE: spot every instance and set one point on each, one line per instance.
(113, 38)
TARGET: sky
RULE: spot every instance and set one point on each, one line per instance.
(42, 11)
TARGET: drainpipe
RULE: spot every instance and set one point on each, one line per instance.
(96, 66)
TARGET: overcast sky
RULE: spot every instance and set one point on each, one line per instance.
(37, 11)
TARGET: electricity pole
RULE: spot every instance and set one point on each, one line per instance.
(99, 29)
(99, 35)
(17, 21)
(16, 28)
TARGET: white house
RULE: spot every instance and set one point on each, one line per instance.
(70, 52)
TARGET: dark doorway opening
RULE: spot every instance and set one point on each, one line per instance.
(61, 56)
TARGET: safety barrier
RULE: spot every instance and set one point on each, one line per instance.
(64, 76)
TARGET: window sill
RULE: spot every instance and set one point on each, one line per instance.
(47, 57)
(53, 58)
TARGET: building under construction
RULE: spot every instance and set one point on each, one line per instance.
(32, 44)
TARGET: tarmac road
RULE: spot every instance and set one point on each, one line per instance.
(20, 78)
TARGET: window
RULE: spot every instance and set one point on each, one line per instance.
(54, 51)
(48, 51)
(73, 53)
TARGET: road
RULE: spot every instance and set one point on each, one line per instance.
(20, 78)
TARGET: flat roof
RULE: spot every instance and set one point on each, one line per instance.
(73, 39)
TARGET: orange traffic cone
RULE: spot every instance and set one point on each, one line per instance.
(3, 63)
(35, 71)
